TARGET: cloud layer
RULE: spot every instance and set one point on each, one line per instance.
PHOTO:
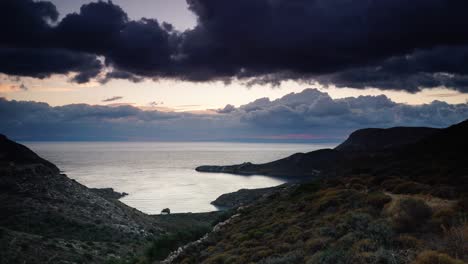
(388, 44)
(304, 116)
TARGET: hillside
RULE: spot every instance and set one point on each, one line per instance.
(405, 203)
(365, 150)
(377, 139)
(300, 165)
(48, 218)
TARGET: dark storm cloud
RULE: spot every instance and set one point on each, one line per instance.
(76, 42)
(41, 63)
(28, 48)
(93, 29)
(303, 39)
(388, 44)
(25, 23)
(440, 66)
(310, 112)
(117, 74)
(133, 47)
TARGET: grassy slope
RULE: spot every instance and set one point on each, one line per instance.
(341, 222)
(402, 203)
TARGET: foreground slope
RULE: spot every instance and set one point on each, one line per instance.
(48, 218)
(407, 203)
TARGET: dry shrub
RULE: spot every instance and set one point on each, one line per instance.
(456, 240)
(408, 214)
(409, 187)
(444, 217)
(405, 241)
(462, 204)
(329, 256)
(378, 199)
(365, 245)
(358, 187)
(390, 183)
(444, 191)
(363, 257)
(316, 244)
(219, 259)
(330, 199)
(434, 257)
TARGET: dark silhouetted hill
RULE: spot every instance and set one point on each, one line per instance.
(14, 153)
(361, 144)
(371, 140)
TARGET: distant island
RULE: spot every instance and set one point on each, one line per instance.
(397, 195)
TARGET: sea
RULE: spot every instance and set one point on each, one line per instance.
(158, 175)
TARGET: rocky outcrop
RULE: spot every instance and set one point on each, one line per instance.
(245, 196)
(109, 193)
(299, 165)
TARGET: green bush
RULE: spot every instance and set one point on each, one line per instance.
(164, 245)
(353, 222)
(380, 231)
(307, 188)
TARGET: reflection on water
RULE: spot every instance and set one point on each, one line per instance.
(159, 175)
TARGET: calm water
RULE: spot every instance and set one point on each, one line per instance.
(160, 175)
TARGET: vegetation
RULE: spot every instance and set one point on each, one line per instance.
(162, 246)
(347, 220)
(408, 214)
(434, 257)
(183, 229)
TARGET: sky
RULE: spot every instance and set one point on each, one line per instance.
(200, 59)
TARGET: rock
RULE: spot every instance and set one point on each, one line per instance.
(244, 197)
(108, 193)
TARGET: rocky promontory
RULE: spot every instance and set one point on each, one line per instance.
(299, 165)
(109, 193)
(361, 144)
(246, 196)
